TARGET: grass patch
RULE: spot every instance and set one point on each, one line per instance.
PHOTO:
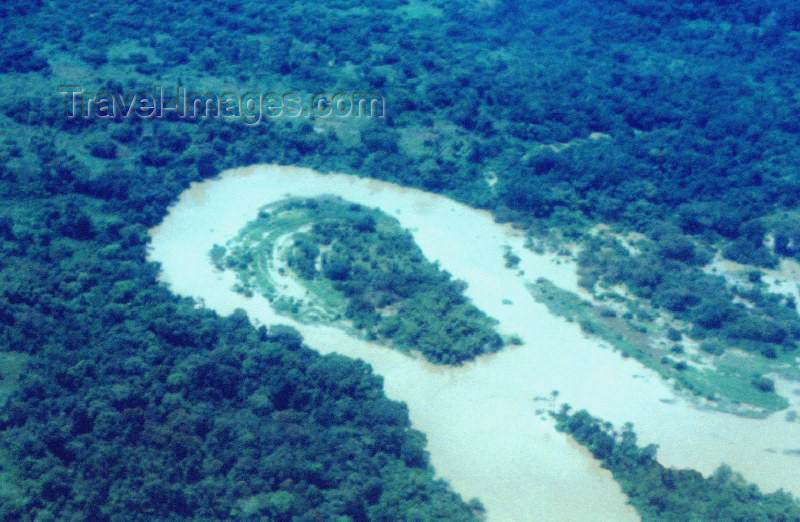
(728, 379)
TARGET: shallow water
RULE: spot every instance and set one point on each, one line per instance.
(483, 434)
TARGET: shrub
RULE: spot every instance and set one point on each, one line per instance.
(764, 384)
(103, 149)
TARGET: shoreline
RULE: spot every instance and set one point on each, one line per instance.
(483, 434)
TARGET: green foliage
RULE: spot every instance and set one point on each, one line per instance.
(662, 275)
(746, 252)
(696, 98)
(787, 238)
(764, 384)
(217, 255)
(512, 259)
(667, 494)
(728, 380)
(134, 401)
(369, 268)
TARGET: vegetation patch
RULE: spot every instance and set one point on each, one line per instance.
(11, 366)
(328, 260)
(668, 272)
(732, 381)
(666, 494)
(695, 96)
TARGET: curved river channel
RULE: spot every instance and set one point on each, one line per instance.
(484, 434)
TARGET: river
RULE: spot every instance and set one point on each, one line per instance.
(484, 435)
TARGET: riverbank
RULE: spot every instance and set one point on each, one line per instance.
(483, 435)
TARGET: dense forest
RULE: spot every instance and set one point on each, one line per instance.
(667, 274)
(618, 112)
(137, 405)
(636, 113)
(666, 494)
(362, 266)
